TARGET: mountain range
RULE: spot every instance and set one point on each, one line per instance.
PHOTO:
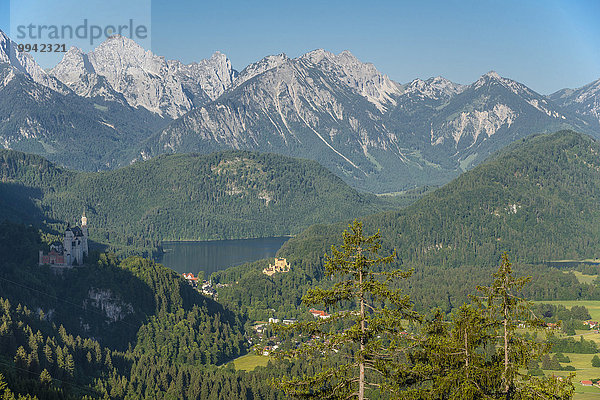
(120, 103)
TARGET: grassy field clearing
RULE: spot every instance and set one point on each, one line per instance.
(250, 361)
(584, 371)
(589, 279)
(581, 362)
(593, 306)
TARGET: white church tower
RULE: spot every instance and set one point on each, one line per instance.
(84, 230)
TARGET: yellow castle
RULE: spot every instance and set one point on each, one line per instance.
(281, 265)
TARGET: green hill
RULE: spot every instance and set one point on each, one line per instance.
(227, 195)
(539, 200)
(113, 329)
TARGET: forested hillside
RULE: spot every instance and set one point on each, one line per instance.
(158, 337)
(224, 195)
(539, 200)
(111, 328)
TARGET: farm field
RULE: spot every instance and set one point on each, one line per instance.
(584, 371)
(582, 362)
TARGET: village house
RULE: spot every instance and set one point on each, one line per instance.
(591, 324)
(190, 278)
(319, 314)
(280, 265)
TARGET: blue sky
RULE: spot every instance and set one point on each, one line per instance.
(548, 45)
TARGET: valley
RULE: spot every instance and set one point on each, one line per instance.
(302, 225)
(449, 237)
(226, 195)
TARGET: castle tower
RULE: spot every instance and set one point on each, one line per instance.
(68, 245)
(84, 230)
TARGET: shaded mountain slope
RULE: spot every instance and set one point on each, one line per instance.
(183, 197)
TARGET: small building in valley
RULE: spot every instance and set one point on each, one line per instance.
(591, 324)
(280, 265)
(319, 313)
(190, 278)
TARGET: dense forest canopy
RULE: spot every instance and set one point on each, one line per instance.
(539, 199)
(227, 195)
(130, 328)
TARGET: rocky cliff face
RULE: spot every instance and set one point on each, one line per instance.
(364, 78)
(259, 67)
(205, 80)
(108, 108)
(584, 101)
(114, 308)
(25, 64)
(121, 66)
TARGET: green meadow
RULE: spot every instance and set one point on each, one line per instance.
(250, 361)
(582, 362)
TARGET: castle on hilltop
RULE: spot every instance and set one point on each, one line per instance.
(281, 265)
(72, 250)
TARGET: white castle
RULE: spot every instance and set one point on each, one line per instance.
(72, 250)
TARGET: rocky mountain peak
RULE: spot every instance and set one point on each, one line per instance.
(591, 90)
(168, 88)
(211, 76)
(120, 54)
(584, 101)
(492, 75)
(376, 87)
(493, 78)
(24, 63)
(316, 56)
(120, 42)
(73, 65)
(257, 68)
(435, 88)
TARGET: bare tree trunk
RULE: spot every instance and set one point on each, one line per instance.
(505, 305)
(466, 353)
(361, 378)
(505, 356)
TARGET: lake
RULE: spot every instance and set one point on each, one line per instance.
(217, 255)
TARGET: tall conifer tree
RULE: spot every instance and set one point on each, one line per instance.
(366, 326)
